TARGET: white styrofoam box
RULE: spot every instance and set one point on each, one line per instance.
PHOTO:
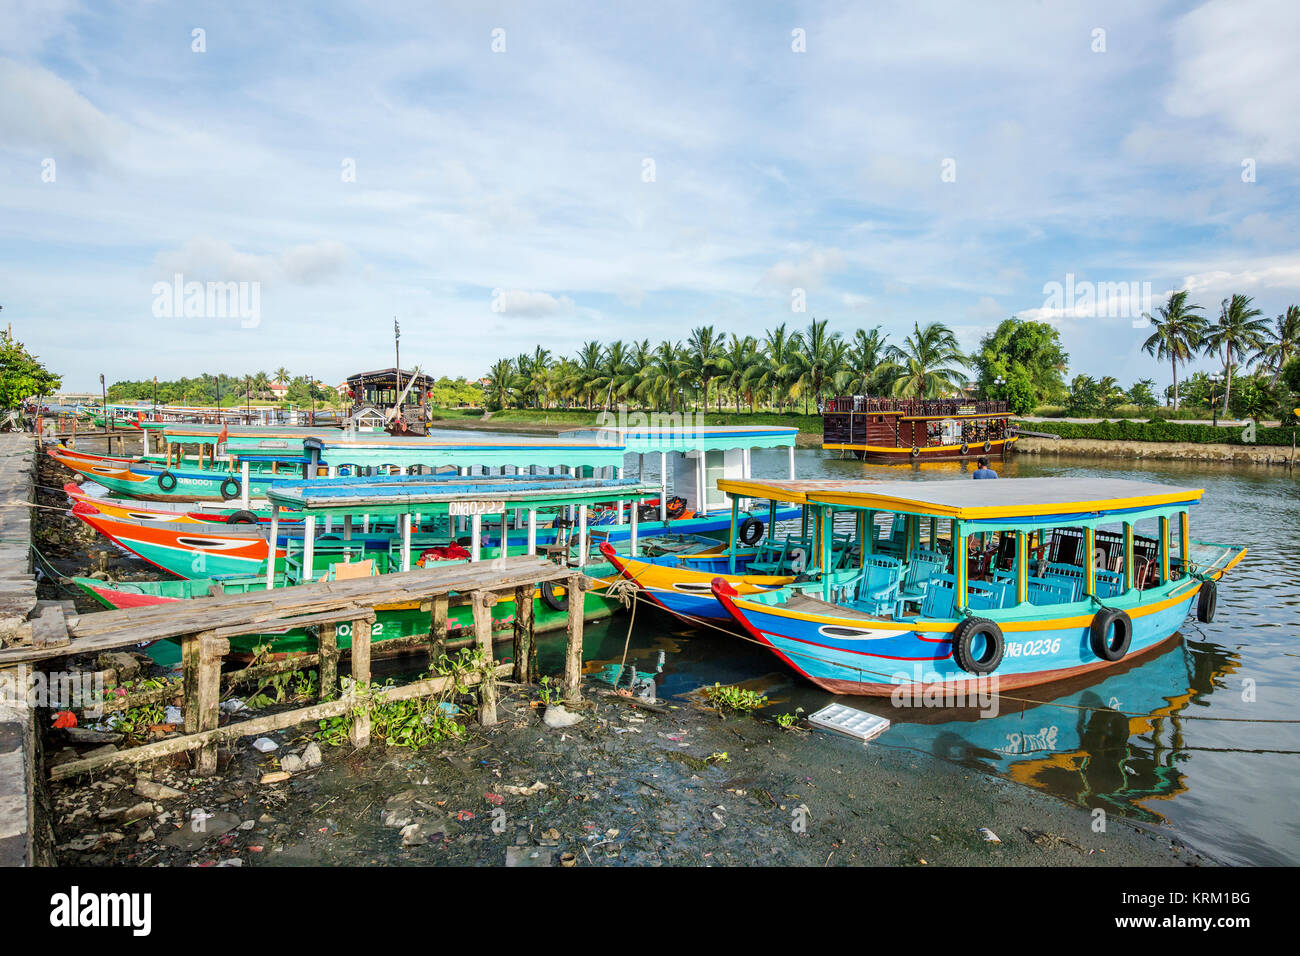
(847, 720)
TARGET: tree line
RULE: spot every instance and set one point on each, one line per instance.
(784, 369)
(1021, 361)
(1241, 338)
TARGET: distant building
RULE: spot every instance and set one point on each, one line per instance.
(279, 390)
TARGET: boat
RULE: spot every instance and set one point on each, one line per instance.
(901, 430)
(257, 459)
(1051, 579)
(411, 504)
(751, 563)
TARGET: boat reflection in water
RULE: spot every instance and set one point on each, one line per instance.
(1112, 741)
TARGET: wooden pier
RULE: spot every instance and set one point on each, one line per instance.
(204, 626)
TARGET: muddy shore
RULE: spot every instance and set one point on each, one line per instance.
(624, 787)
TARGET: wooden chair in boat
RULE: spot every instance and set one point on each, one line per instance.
(1044, 591)
(921, 569)
(940, 594)
(349, 570)
(770, 558)
(878, 589)
(987, 595)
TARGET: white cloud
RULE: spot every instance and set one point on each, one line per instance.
(41, 111)
(206, 259)
(1233, 63)
(522, 303)
(806, 272)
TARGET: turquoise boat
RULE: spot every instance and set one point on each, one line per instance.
(1016, 582)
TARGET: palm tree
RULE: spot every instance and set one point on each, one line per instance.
(1240, 333)
(666, 373)
(1178, 333)
(816, 360)
(612, 380)
(927, 364)
(639, 360)
(589, 364)
(704, 359)
(866, 357)
(777, 373)
(500, 383)
(739, 366)
(282, 375)
(1284, 341)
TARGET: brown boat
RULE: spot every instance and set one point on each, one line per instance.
(901, 430)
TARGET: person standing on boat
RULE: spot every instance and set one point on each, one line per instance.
(984, 471)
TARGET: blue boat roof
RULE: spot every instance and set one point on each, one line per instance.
(406, 492)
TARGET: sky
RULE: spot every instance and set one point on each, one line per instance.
(502, 175)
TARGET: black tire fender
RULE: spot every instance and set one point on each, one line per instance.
(553, 600)
(988, 447)
(229, 489)
(751, 529)
(1207, 602)
(1103, 645)
(166, 481)
(916, 451)
(963, 641)
(242, 517)
(965, 448)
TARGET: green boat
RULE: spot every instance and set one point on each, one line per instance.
(401, 498)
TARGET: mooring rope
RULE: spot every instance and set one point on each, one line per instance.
(704, 622)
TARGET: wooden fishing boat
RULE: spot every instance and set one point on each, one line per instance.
(222, 562)
(902, 430)
(755, 560)
(1052, 578)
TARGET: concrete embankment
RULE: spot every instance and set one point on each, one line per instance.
(25, 837)
(1190, 451)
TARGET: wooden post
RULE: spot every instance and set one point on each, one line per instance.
(272, 537)
(328, 646)
(190, 681)
(438, 629)
(573, 652)
(1090, 565)
(525, 647)
(482, 602)
(360, 675)
(208, 695)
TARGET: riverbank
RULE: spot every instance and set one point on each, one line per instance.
(624, 787)
(1170, 451)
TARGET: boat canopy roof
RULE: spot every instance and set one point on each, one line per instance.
(1005, 498)
(241, 438)
(379, 448)
(795, 491)
(405, 494)
(641, 439)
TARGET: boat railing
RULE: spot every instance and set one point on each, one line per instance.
(921, 407)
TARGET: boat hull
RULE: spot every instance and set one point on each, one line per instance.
(857, 656)
(684, 587)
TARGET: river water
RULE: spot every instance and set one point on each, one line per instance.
(1194, 736)
(1181, 738)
